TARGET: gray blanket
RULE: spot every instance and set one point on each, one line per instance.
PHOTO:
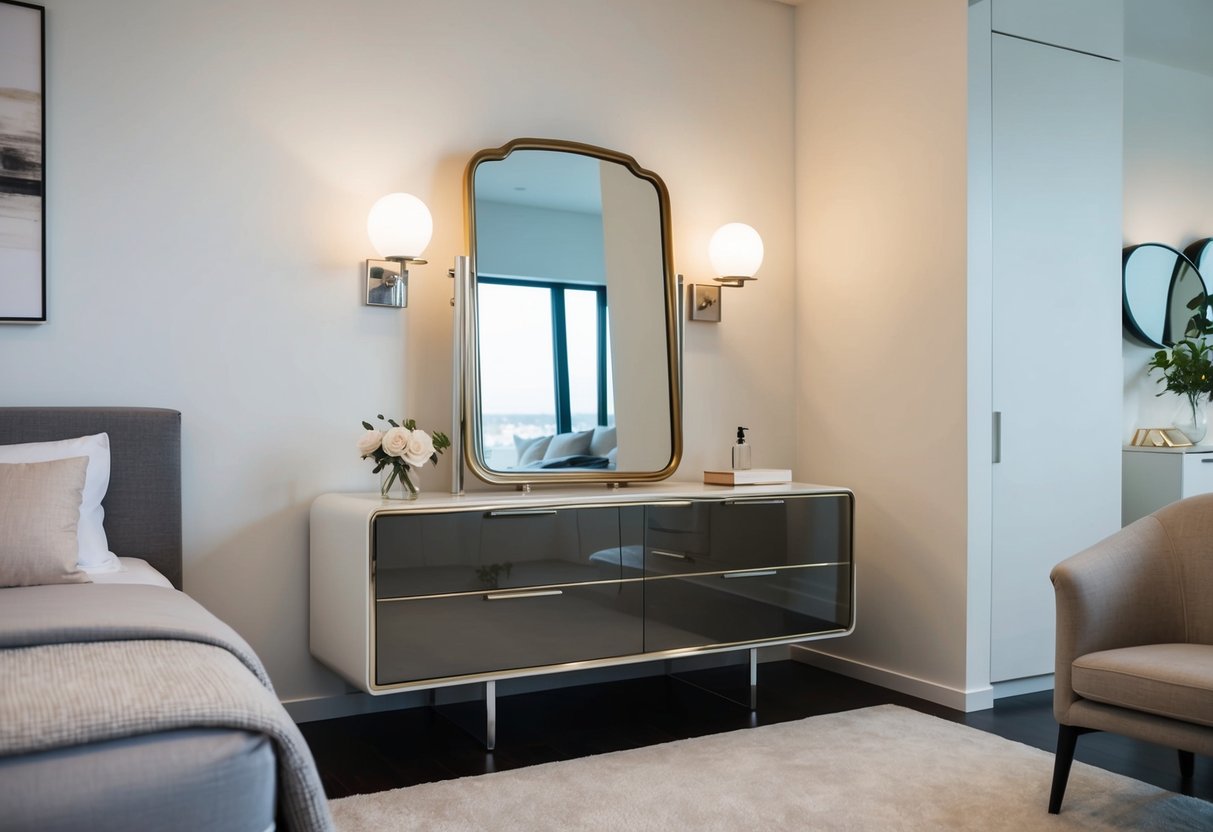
(86, 663)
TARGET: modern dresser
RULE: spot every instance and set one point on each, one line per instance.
(448, 590)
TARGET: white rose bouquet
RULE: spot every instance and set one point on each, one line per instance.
(398, 449)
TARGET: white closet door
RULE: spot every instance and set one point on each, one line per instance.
(1057, 376)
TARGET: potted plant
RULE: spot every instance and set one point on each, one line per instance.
(1187, 370)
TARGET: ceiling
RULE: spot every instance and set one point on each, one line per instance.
(542, 179)
(1172, 32)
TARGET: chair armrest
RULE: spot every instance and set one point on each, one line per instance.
(1122, 592)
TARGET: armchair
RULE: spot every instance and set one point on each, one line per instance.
(1135, 637)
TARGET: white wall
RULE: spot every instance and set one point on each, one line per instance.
(210, 167)
(1168, 195)
(881, 316)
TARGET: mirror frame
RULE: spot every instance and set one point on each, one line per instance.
(473, 445)
(1130, 322)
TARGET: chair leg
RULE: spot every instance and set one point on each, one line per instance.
(1067, 741)
(1187, 764)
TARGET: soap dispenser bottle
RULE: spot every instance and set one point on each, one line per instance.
(741, 452)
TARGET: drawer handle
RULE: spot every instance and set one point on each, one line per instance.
(509, 596)
(663, 553)
(522, 512)
(1207, 459)
(754, 502)
(753, 573)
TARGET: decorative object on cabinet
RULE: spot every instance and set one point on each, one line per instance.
(1156, 477)
(571, 314)
(1187, 371)
(400, 227)
(22, 151)
(1164, 295)
(396, 451)
(1160, 438)
(748, 476)
(450, 591)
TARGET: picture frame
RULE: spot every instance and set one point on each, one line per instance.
(22, 163)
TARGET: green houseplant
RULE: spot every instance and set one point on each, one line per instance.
(1187, 370)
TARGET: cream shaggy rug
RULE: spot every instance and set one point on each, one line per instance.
(882, 768)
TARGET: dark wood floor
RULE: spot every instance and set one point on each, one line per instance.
(388, 750)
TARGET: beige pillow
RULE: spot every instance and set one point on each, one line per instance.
(39, 511)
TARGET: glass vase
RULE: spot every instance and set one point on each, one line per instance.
(1191, 418)
(396, 483)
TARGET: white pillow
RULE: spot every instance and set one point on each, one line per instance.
(602, 441)
(569, 444)
(530, 450)
(93, 554)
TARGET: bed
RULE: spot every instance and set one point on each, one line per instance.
(123, 703)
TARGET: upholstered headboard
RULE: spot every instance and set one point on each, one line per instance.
(143, 503)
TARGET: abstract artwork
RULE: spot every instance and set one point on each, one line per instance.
(22, 182)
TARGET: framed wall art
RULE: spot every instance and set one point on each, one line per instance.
(22, 150)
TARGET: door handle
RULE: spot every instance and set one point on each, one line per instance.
(509, 596)
(753, 573)
(522, 512)
(996, 436)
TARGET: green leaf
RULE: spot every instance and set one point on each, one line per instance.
(368, 426)
(411, 424)
(392, 422)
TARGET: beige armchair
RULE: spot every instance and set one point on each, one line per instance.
(1135, 637)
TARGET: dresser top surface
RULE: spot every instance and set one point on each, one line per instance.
(372, 503)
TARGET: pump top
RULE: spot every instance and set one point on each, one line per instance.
(741, 435)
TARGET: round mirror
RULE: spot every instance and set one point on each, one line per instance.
(1162, 294)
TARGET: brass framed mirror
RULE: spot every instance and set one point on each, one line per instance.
(572, 363)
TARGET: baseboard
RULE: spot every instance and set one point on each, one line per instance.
(978, 699)
(1014, 687)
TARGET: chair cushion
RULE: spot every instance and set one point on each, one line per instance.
(1171, 680)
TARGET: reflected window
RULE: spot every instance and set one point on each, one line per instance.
(544, 366)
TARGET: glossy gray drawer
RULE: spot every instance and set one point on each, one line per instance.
(684, 611)
(747, 533)
(472, 551)
(435, 638)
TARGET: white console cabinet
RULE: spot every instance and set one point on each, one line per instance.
(1155, 477)
(451, 590)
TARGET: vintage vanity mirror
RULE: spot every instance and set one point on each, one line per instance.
(572, 355)
(1161, 286)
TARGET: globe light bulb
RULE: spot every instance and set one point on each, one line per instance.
(399, 225)
(735, 250)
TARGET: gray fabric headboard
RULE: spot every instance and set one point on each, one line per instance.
(143, 503)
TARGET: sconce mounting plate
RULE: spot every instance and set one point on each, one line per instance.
(704, 302)
(387, 283)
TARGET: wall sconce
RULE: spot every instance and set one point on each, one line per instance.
(736, 254)
(400, 227)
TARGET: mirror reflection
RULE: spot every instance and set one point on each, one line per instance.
(1163, 294)
(572, 323)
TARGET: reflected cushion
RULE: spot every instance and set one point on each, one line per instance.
(93, 552)
(39, 512)
(603, 441)
(569, 444)
(530, 450)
